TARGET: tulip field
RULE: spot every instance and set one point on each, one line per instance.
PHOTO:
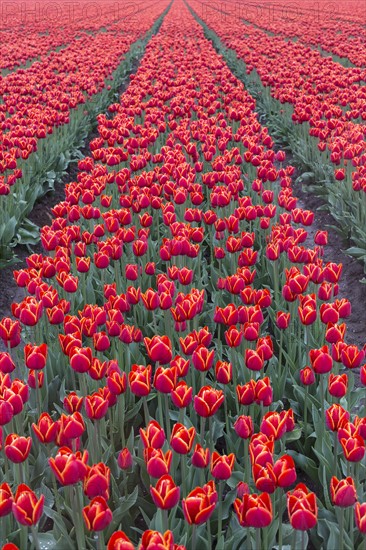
(176, 371)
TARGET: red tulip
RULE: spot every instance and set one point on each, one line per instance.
(165, 494)
(35, 356)
(182, 438)
(17, 448)
(343, 492)
(222, 465)
(140, 380)
(27, 508)
(200, 456)
(97, 515)
(302, 508)
(285, 471)
(159, 349)
(153, 435)
(96, 481)
(244, 426)
(208, 401)
(6, 500)
(69, 467)
(120, 541)
(200, 504)
(360, 516)
(254, 510)
(125, 459)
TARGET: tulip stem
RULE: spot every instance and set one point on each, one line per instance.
(35, 538)
(303, 546)
(77, 516)
(194, 536)
(335, 450)
(258, 539)
(146, 411)
(306, 411)
(183, 466)
(219, 523)
(280, 515)
(166, 406)
(23, 537)
(341, 528)
(100, 541)
(202, 430)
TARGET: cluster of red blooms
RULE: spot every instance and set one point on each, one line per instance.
(324, 94)
(182, 173)
(344, 38)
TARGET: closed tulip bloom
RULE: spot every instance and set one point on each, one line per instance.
(153, 435)
(125, 459)
(321, 360)
(139, 379)
(6, 500)
(153, 540)
(282, 320)
(182, 395)
(244, 426)
(360, 516)
(302, 508)
(182, 438)
(96, 406)
(200, 456)
(307, 376)
(352, 357)
(253, 360)
(6, 363)
(343, 492)
(246, 393)
(72, 402)
(35, 356)
(97, 515)
(17, 448)
(96, 481)
(81, 359)
(165, 494)
(223, 372)
(157, 463)
(353, 448)
(46, 429)
(264, 391)
(27, 508)
(208, 401)
(165, 379)
(285, 471)
(120, 541)
(69, 467)
(254, 510)
(200, 504)
(338, 384)
(159, 349)
(71, 427)
(336, 417)
(273, 425)
(233, 336)
(264, 477)
(222, 465)
(203, 358)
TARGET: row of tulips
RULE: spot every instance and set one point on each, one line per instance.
(315, 105)
(47, 108)
(337, 28)
(27, 34)
(178, 365)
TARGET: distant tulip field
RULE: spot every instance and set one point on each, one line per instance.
(176, 371)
